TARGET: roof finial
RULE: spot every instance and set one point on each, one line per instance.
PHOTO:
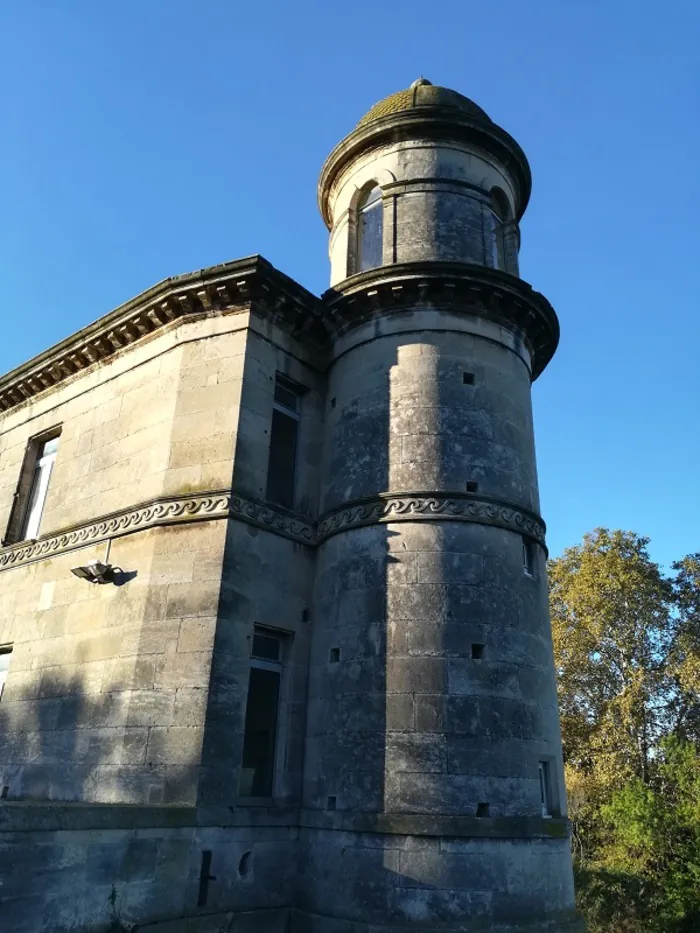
(420, 82)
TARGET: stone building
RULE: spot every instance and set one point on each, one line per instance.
(273, 608)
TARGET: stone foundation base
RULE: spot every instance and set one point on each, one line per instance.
(295, 921)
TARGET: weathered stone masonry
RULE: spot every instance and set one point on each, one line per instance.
(416, 778)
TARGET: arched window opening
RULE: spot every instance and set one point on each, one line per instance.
(370, 229)
(499, 215)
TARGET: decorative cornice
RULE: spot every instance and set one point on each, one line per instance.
(427, 506)
(218, 504)
(168, 510)
(464, 288)
(231, 286)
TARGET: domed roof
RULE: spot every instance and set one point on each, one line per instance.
(423, 94)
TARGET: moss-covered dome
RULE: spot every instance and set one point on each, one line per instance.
(423, 94)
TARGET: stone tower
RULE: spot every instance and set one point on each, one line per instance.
(274, 646)
(433, 741)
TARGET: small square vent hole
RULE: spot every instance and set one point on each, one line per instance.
(334, 655)
(468, 379)
(472, 486)
(477, 652)
(482, 809)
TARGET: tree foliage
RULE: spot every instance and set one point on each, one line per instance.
(627, 652)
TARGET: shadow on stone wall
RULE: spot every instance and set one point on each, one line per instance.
(61, 740)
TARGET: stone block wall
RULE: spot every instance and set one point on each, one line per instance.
(436, 206)
(64, 870)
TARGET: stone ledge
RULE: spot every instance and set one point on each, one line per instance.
(443, 825)
(36, 817)
(560, 921)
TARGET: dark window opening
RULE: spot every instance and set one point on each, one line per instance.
(334, 655)
(477, 652)
(266, 647)
(545, 789)
(262, 711)
(528, 557)
(332, 403)
(468, 379)
(472, 487)
(482, 809)
(331, 803)
(284, 432)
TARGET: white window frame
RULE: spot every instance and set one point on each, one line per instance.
(38, 490)
(5, 650)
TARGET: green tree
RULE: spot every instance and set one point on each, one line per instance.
(654, 836)
(612, 631)
(627, 653)
(685, 653)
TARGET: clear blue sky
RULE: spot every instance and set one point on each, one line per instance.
(144, 138)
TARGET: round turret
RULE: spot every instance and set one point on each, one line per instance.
(425, 175)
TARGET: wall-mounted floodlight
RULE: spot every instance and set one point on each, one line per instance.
(95, 572)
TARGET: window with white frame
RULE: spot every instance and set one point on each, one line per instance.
(5, 654)
(32, 489)
(262, 714)
(284, 436)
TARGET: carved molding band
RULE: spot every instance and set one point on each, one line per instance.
(163, 511)
(421, 506)
(271, 518)
(225, 504)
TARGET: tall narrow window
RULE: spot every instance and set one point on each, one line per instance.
(5, 653)
(545, 789)
(46, 457)
(32, 488)
(370, 230)
(260, 739)
(284, 431)
(498, 217)
(528, 557)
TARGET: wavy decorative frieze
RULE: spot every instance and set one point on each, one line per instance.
(272, 519)
(225, 504)
(430, 506)
(163, 511)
